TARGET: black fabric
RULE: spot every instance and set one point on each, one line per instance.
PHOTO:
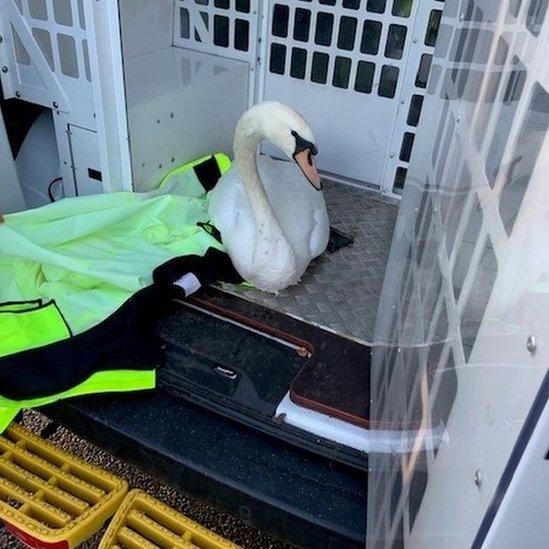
(211, 230)
(126, 340)
(214, 266)
(208, 173)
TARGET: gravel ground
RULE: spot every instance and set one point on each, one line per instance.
(214, 519)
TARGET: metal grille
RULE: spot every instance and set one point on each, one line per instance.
(345, 65)
(461, 279)
(425, 21)
(46, 53)
(223, 27)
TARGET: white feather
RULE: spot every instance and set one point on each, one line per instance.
(271, 242)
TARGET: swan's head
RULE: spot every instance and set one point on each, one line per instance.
(289, 131)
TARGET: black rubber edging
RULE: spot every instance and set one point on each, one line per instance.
(518, 450)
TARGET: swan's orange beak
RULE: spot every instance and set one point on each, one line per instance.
(304, 160)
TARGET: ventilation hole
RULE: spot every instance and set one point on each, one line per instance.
(319, 72)
(455, 213)
(446, 392)
(62, 12)
(501, 52)
(81, 15)
(86, 60)
(536, 15)
(477, 301)
(514, 7)
(21, 54)
(184, 23)
(43, 39)
(302, 23)
(466, 249)
(402, 8)
(375, 6)
(324, 29)
(277, 62)
(204, 15)
(221, 30)
(423, 70)
(224, 4)
(342, 70)
(347, 33)
(371, 32)
(299, 62)
(327, 2)
(415, 110)
(476, 46)
(433, 79)
(241, 34)
(38, 10)
(351, 4)
(396, 39)
(281, 15)
(364, 77)
(406, 148)
(512, 95)
(243, 6)
(67, 55)
(388, 81)
(525, 156)
(432, 27)
(400, 178)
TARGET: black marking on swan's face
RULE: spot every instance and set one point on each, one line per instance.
(303, 156)
(302, 144)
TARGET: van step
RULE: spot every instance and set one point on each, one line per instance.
(49, 498)
(143, 521)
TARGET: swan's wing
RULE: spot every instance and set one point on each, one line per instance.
(226, 200)
(231, 213)
(320, 233)
(300, 209)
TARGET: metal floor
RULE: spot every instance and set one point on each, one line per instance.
(341, 290)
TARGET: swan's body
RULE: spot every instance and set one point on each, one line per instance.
(272, 221)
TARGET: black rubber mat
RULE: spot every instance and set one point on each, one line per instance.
(226, 362)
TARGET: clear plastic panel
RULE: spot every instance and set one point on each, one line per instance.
(458, 356)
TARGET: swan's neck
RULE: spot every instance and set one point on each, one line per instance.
(248, 136)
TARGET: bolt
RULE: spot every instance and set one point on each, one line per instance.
(402, 101)
(1, 39)
(55, 105)
(392, 155)
(461, 17)
(5, 69)
(17, 93)
(532, 345)
(477, 478)
(414, 40)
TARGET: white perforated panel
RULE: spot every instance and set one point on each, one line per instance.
(45, 55)
(345, 66)
(224, 27)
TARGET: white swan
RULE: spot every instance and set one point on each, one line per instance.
(272, 221)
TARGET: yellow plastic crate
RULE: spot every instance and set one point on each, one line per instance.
(143, 522)
(50, 499)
